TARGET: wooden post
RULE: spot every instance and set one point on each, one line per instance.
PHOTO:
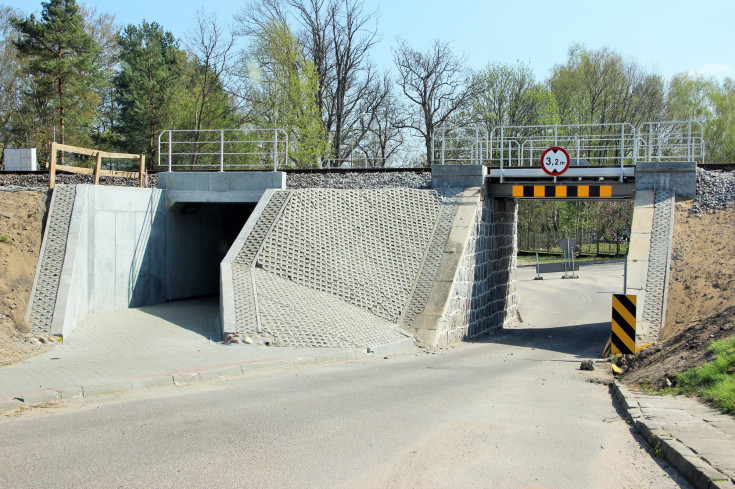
(142, 174)
(52, 167)
(97, 168)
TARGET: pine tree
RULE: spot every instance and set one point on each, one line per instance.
(61, 67)
(146, 86)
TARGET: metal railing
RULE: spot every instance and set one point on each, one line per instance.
(459, 145)
(671, 141)
(597, 144)
(223, 149)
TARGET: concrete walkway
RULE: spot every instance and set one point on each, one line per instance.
(165, 345)
(698, 441)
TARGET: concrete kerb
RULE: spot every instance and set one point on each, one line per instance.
(695, 469)
(181, 378)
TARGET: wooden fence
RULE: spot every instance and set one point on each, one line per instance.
(97, 171)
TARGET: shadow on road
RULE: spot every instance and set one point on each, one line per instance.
(581, 340)
(195, 315)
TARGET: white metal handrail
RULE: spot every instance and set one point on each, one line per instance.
(602, 143)
(465, 145)
(672, 140)
(236, 148)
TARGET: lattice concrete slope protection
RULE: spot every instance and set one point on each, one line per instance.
(658, 260)
(51, 260)
(338, 268)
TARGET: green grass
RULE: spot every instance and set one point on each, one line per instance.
(714, 382)
(4, 238)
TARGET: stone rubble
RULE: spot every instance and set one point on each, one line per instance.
(39, 180)
(264, 339)
(715, 190)
(409, 179)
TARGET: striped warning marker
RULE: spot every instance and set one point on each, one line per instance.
(606, 351)
(562, 191)
(623, 324)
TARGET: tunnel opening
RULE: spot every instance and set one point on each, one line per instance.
(199, 235)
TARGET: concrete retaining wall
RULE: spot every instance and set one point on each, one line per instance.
(115, 254)
(125, 250)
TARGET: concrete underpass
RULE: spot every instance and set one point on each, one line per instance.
(308, 267)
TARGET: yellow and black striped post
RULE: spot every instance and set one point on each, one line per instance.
(622, 341)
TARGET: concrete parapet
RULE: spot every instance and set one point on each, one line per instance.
(458, 176)
(218, 187)
(677, 176)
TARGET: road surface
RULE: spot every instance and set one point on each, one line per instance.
(509, 411)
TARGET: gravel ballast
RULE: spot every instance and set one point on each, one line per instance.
(407, 179)
(715, 190)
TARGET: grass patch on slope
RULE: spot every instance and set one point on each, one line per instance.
(714, 381)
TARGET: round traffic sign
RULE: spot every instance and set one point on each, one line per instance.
(555, 161)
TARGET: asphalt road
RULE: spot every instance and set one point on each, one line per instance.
(509, 411)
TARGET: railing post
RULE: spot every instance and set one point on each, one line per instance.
(52, 167)
(444, 137)
(477, 144)
(169, 150)
(530, 156)
(433, 149)
(501, 153)
(221, 150)
(142, 174)
(275, 149)
(689, 142)
(622, 149)
(97, 167)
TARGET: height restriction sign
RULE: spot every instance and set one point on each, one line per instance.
(555, 161)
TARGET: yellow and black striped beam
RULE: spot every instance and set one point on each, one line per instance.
(563, 191)
(623, 324)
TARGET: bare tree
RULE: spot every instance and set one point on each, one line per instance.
(337, 36)
(212, 49)
(379, 132)
(437, 84)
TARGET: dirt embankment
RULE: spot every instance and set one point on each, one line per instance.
(21, 221)
(701, 303)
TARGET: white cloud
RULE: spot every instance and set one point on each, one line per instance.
(712, 69)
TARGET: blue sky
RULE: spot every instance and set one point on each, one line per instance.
(667, 37)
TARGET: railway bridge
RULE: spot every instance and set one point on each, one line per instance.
(353, 267)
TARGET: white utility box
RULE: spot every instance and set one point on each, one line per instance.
(20, 159)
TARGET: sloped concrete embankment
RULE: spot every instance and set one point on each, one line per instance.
(658, 186)
(359, 268)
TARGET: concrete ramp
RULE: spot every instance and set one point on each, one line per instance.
(360, 268)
